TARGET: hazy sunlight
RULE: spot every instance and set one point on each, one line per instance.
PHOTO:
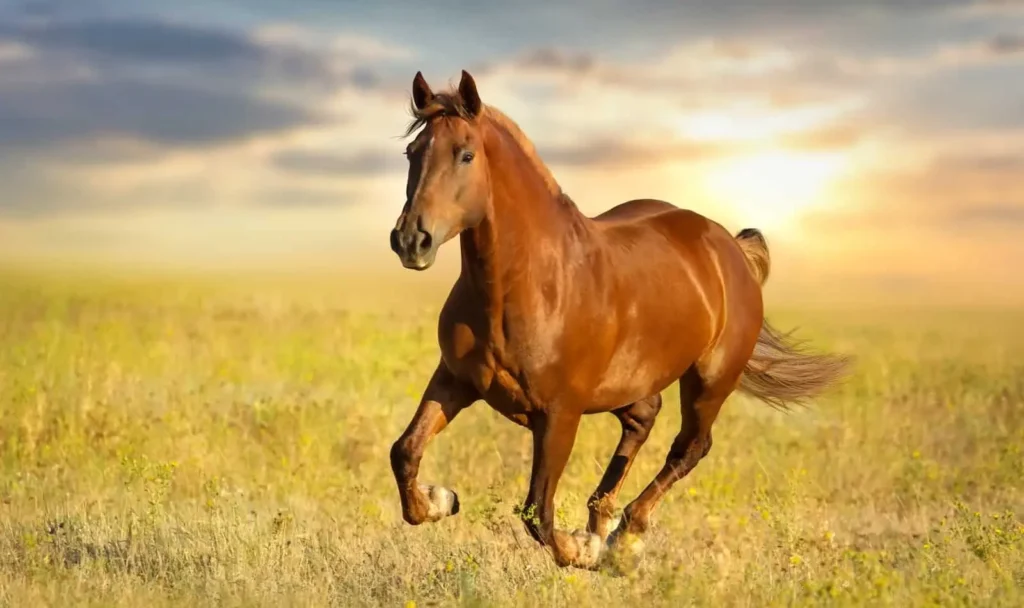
(769, 189)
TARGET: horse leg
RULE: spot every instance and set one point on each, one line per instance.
(700, 405)
(444, 397)
(637, 420)
(554, 434)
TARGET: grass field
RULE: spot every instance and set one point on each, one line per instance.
(192, 443)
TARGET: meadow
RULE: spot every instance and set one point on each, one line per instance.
(193, 441)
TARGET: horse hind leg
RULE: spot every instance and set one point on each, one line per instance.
(637, 420)
(702, 391)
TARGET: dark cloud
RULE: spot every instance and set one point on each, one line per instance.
(138, 40)
(168, 114)
(1007, 44)
(166, 82)
(339, 165)
(211, 55)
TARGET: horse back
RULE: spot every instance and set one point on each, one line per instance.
(634, 209)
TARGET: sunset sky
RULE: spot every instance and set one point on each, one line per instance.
(874, 142)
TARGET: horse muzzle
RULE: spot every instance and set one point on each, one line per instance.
(415, 247)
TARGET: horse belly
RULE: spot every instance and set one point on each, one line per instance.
(635, 373)
(657, 347)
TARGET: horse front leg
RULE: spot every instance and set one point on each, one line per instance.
(444, 397)
(554, 434)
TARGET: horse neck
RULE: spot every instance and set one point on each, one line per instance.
(525, 225)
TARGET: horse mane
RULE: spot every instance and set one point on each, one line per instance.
(451, 104)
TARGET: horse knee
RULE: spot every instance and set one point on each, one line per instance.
(706, 447)
(402, 459)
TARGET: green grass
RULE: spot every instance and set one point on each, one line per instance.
(189, 443)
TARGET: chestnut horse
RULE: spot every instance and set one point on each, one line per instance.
(556, 315)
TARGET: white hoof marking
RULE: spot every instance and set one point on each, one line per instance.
(589, 548)
(442, 501)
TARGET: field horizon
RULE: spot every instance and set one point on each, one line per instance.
(221, 438)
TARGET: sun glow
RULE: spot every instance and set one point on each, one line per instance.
(756, 123)
(770, 189)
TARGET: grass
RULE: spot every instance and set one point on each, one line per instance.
(195, 443)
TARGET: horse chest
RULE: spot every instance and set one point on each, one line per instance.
(471, 356)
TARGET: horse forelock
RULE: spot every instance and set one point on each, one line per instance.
(451, 105)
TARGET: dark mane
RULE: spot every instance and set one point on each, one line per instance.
(443, 104)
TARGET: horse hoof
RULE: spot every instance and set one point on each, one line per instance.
(588, 549)
(443, 502)
(624, 553)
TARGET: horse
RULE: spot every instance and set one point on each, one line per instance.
(556, 315)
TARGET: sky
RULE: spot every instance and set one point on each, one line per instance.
(875, 143)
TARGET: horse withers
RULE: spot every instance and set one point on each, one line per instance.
(555, 315)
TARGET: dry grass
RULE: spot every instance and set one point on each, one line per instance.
(184, 443)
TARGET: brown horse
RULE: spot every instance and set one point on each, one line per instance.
(556, 315)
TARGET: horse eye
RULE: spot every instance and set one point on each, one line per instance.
(467, 157)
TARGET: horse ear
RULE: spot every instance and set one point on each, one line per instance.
(470, 97)
(421, 93)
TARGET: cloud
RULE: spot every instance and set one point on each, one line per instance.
(167, 114)
(827, 137)
(995, 50)
(306, 196)
(952, 192)
(11, 52)
(118, 113)
(679, 70)
(559, 60)
(1007, 215)
(364, 163)
(626, 153)
(167, 82)
(138, 39)
(1007, 44)
(981, 162)
(31, 191)
(119, 47)
(986, 9)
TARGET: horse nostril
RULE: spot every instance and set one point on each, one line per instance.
(395, 245)
(424, 241)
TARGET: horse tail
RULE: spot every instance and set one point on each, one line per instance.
(781, 372)
(755, 248)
